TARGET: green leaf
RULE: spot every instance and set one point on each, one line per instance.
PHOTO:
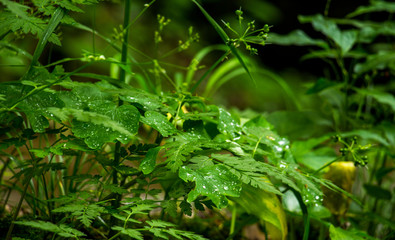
(201, 161)
(35, 106)
(85, 213)
(62, 230)
(337, 233)
(147, 165)
(252, 172)
(297, 38)
(159, 122)
(84, 116)
(115, 188)
(195, 128)
(367, 134)
(264, 205)
(216, 182)
(331, 53)
(115, 123)
(227, 125)
(183, 146)
(18, 9)
(186, 208)
(69, 5)
(378, 61)
(143, 208)
(160, 224)
(170, 207)
(321, 84)
(129, 232)
(149, 102)
(377, 192)
(376, 6)
(344, 39)
(128, 116)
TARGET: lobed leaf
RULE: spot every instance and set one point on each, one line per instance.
(159, 122)
(227, 125)
(129, 232)
(62, 230)
(148, 163)
(216, 182)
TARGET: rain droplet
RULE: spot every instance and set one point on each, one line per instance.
(226, 187)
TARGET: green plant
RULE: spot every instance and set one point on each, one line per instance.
(129, 154)
(357, 96)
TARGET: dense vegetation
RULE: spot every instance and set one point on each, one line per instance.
(121, 126)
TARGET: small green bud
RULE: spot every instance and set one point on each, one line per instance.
(239, 12)
(266, 28)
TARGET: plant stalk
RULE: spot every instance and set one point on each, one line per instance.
(306, 215)
(122, 77)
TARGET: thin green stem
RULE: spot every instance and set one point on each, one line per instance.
(327, 165)
(328, 3)
(122, 77)
(18, 208)
(305, 212)
(233, 220)
(116, 235)
(124, 57)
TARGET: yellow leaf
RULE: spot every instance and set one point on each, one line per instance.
(342, 174)
(267, 207)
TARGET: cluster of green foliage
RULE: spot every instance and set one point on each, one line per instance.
(130, 154)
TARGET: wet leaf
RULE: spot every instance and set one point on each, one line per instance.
(128, 116)
(148, 101)
(159, 122)
(227, 125)
(147, 165)
(215, 182)
(98, 128)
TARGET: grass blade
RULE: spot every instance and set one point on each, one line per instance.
(225, 38)
(53, 23)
